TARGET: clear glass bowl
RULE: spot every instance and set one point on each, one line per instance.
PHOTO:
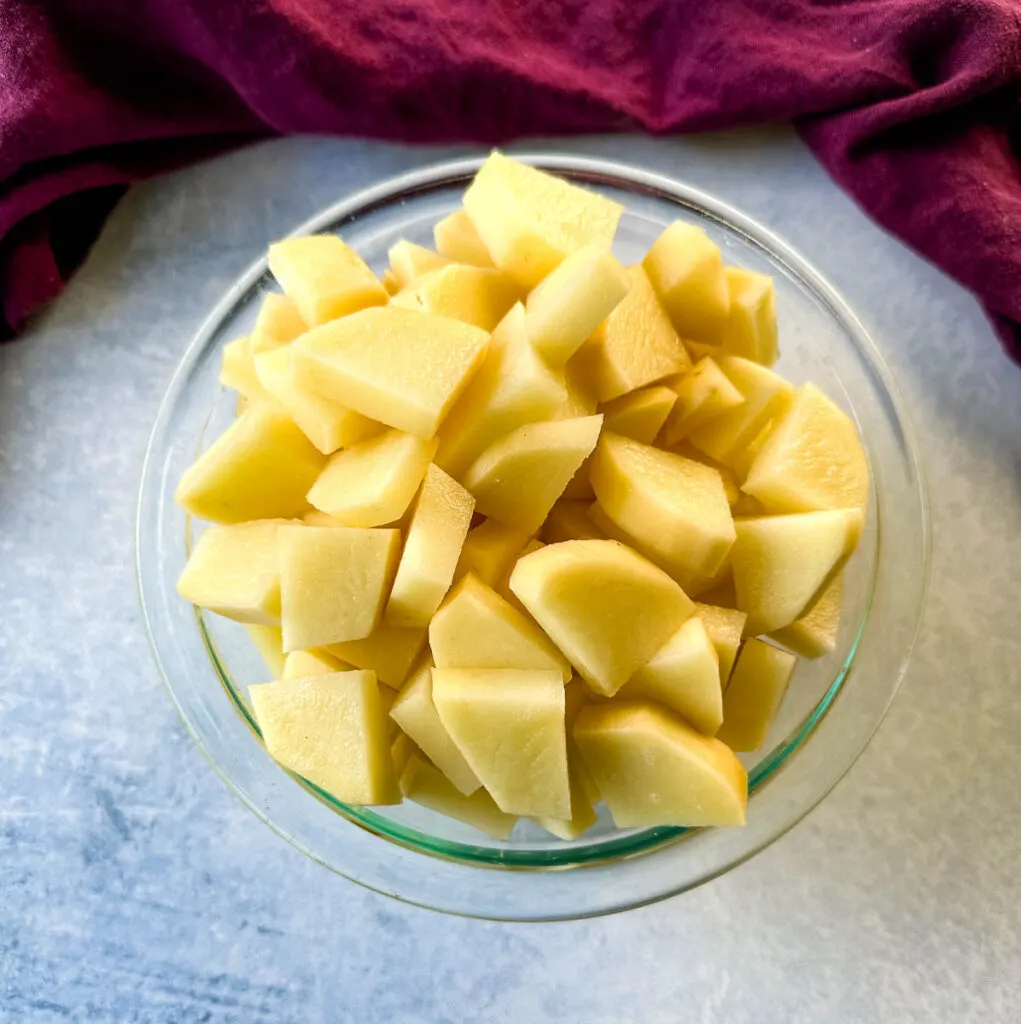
(833, 706)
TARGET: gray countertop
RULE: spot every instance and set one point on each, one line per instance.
(134, 887)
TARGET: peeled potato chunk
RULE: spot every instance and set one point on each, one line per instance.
(569, 520)
(757, 686)
(653, 769)
(489, 551)
(815, 633)
(301, 664)
(473, 295)
(457, 240)
(408, 261)
(237, 371)
(269, 642)
(702, 395)
(389, 651)
(331, 730)
(750, 328)
(277, 324)
(725, 628)
(639, 415)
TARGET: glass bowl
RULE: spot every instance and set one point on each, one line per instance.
(832, 708)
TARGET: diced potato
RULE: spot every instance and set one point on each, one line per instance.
(509, 725)
(518, 478)
(428, 786)
(373, 482)
(530, 221)
(782, 562)
(686, 269)
(603, 605)
(513, 386)
(402, 368)
(573, 301)
(702, 394)
(728, 477)
(232, 571)
(569, 520)
(390, 282)
(676, 507)
(725, 628)
(489, 551)
(812, 459)
(277, 324)
(408, 261)
(261, 467)
(757, 686)
(302, 664)
(440, 519)
(634, 346)
(653, 769)
(639, 415)
(237, 371)
(581, 392)
(745, 505)
(457, 240)
(473, 295)
(269, 642)
(503, 587)
(401, 749)
(476, 628)
(327, 425)
(390, 651)
(684, 674)
(415, 712)
(750, 327)
(324, 278)
(742, 460)
(333, 582)
(332, 731)
(815, 633)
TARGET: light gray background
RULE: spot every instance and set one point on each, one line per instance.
(134, 887)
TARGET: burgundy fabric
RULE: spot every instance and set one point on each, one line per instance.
(912, 105)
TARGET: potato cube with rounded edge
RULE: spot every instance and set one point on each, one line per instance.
(750, 328)
(756, 689)
(654, 769)
(324, 278)
(237, 371)
(569, 520)
(489, 551)
(457, 240)
(390, 651)
(473, 295)
(814, 634)
(702, 395)
(408, 261)
(566, 307)
(277, 324)
(301, 664)
(333, 582)
(640, 414)
(332, 731)
(374, 481)
(606, 608)
(269, 642)
(509, 725)
(402, 368)
(725, 628)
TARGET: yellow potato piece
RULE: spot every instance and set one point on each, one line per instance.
(237, 371)
(269, 642)
(415, 712)
(781, 563)
(333, 582)
(457, 240)
(702, 395)
(261, 467)
(569, 520)
(639, 415)
(373, 482)
(389, 651)
(573, 301)
(731, 487)
(530, 221)
(684, 674)
(332, 731)
(654, 769)
(477, 628)
(402, 368)
(440, 519)
(725, 628)
(509, 725)
(390, 282)
(815, 633)
(604, 606)
(324, 278)
(750, 327)
(302, 664)
(513, 386)
(473, 295)
(489, 551)
(232, 571)
(277, 324)
(686, 269)
(754, 693)
(518, 478)
(402, 749)
(812, 459)
(408, 261)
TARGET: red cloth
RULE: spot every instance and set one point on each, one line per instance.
(912, 105)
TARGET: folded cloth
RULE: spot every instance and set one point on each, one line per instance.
(912, 105)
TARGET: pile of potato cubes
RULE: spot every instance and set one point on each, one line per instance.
(466, 510)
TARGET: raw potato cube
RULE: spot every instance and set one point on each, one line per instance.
(812, 459)
(530, 221)
(333, 582)
(237, 371)
(573, 301)
(373, 482)
(489, 551)
(684, 674)
(269, 642)
(676, 508)
(513, 386)
(332, 731)
(396, 366)
(439, 523)
(302, 664)
(703, 394)
(261, 467)
(634, 346)
(402, 749)
(415, 712)
(750, 328)
(725, 628)
(390, 282)
(686, 269)
(653, 769)
(476, 628)
(509, 725)
(815, 633)
(603, 605)
(324, 278)
(569, 520)
(428, 786)
(473, 295)
(581, 392)
(457, 240)
(639, 415)
(327, 425)
(277, 324)
(408, 261)
(753, 696)
(731, 487)
(518, 478)
(390, 651)
(782, 562)
(232, 571)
